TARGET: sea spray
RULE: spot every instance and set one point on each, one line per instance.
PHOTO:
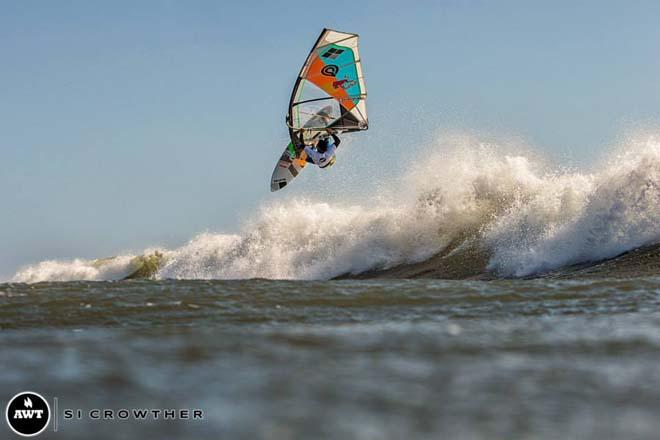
(528, 217)
(582, 217)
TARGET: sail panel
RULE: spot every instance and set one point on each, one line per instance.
(332, 75)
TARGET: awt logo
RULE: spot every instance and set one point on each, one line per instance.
(28, 414)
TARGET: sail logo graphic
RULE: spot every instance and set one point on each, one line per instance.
(332, 53)
(27, 414)
(344, 83)
(330, 70)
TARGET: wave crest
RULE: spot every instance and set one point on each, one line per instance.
(524, 216)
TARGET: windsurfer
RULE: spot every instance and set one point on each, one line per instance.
(323, 153)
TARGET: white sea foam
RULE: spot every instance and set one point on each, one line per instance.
(530, 217)
(77, 269)
(578, 217)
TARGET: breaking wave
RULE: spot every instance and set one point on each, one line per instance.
(475, 207)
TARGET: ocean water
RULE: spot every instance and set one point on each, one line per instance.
(364, 359)
(483, 294)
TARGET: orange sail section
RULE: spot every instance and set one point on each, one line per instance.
(329, 84)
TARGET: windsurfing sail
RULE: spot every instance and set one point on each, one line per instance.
(329, 91)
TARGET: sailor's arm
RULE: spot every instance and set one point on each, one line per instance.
(335, 138)
(301, 139)
(298, 141)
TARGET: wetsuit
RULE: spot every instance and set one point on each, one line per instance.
(323, 159)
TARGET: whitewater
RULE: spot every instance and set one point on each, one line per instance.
(493, 210)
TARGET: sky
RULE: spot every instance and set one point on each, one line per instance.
(129, 124)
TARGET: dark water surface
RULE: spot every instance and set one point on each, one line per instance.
(385, 359)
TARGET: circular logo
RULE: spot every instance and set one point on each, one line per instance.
(330, 70)
(28, 414)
